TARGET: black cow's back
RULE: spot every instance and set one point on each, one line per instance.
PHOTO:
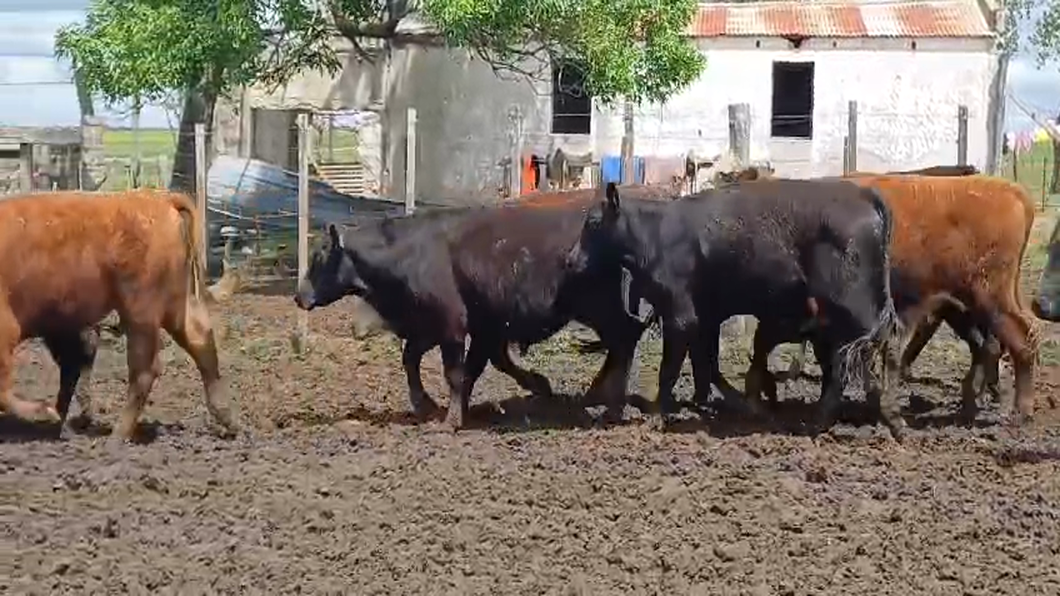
(754, 240)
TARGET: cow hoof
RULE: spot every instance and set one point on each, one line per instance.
(426, 410)
(614, 414)
(43, 414)
(667, 422)
(79, 423)
(1016, 420)
(821, 426)
(897, 428)
(454, 419)
(118, 443)
(542, 388)
(966, 416)
(227, 433)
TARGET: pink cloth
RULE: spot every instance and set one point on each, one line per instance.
(662, 170)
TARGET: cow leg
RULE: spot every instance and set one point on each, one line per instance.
(991, 366)
(192, 331)
(675, 347)
(142, 343)
(22, 409)
(459, 391)
(767, 337)
(705, 355)
(798, 363)
(75, 355)
(922, 334)
(1014, 332)
(833, 373)
(882, 392)
(423, 407)
(611, 382)
(986, 356)
(529, 380)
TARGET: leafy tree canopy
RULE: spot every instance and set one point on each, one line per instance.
(147, 49)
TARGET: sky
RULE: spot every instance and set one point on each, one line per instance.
(35, 88)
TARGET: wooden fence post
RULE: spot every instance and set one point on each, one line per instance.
(740, 133)
(852, 137)
(846, 155)
(740, 149)
(200, 188)
(962, 135)
(1045, 168)
(303, 219)
(25, 167)
(163, 171)
(628, 131)
(410, 161)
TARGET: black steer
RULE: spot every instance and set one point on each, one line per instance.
(497, 275)
(796, 254)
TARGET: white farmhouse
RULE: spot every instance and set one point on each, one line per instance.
(909, 65)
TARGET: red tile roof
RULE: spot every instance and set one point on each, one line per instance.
(938, 18)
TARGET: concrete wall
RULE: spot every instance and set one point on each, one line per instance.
(469, 120)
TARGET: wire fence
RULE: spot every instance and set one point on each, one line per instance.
(360, 165)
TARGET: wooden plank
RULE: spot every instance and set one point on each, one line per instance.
(200, 186)
(410, 162)
(303, 218)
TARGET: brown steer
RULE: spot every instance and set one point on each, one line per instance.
(962, 238)
(70, 258)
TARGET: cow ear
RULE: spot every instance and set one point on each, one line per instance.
(612, 196)
(336, 237)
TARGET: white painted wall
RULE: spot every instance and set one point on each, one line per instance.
(907, 103)
(908, 100)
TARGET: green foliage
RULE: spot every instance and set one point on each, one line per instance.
(147, 49)
(1035, 23)
(635, 49)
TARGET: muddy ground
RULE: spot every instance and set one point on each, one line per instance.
(336, 492)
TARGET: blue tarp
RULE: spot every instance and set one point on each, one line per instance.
(611, 169)
(242, 188)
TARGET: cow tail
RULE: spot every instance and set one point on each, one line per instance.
(888, 324)
(192, 240)
(1034, 325)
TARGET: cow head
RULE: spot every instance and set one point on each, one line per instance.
(331, 274)
(608, 240)
(1046, 304)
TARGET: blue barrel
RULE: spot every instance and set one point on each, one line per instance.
(611, 169)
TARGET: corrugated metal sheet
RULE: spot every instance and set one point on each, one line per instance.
(941, 18)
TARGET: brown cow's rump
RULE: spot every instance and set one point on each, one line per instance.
(71, 258)
(964, 237)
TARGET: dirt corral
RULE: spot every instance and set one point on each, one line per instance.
(337, 492)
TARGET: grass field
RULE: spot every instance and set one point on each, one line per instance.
(157, 147)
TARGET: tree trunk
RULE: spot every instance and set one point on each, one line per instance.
(198, 107)
(84, 98)
(1054, 184)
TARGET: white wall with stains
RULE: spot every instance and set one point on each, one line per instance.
(907, 104)
(908, 92)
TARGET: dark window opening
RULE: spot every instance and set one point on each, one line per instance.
(572, 108)
(792, 100)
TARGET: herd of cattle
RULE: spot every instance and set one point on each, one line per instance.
(859, 267)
